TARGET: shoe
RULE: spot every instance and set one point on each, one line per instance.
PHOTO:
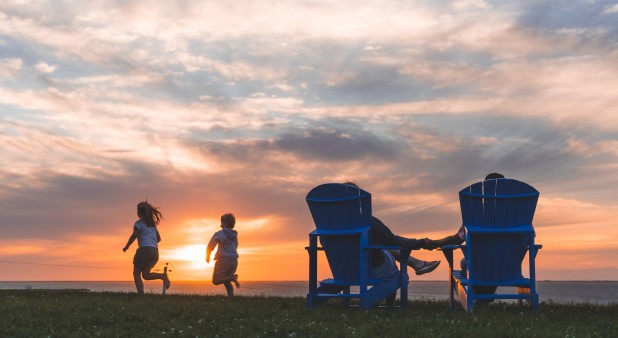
(427, 267)
(235, 280)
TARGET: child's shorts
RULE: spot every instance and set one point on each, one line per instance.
(224, 270)
(145, 257)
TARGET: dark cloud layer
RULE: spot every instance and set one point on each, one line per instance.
(336, 145)
(67, 206)
(565, 14)
(324, 142)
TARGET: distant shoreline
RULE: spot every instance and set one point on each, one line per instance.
(563, 292)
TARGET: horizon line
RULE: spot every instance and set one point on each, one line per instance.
(262, 281)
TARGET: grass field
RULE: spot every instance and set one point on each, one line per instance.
(43, 313)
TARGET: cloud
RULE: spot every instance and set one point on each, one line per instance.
(336, 145)
(611, 9)
(9, 67)
(45, 68)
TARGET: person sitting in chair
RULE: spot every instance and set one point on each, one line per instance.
(384, 261)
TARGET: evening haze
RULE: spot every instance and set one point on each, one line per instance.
(208, 107)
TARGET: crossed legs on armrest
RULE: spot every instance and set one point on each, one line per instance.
(420, 266)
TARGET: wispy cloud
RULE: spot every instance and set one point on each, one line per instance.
(611, 9)
(10, 66)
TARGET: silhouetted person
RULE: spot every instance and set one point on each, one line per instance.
(226, 256)
(384, 260)
(148, 237)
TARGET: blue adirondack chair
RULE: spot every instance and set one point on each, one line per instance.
(497, 215)
(342, 216)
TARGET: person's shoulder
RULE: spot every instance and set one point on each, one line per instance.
(138, 224)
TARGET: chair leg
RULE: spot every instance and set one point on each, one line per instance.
(313, 272)
(535, 301)
(390, 300)
(452, 293)
(346, 301)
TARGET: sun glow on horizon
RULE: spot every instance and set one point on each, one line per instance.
(195, 254)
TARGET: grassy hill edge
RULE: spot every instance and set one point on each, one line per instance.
(66, 313)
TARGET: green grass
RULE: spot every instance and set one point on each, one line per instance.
(41, 313)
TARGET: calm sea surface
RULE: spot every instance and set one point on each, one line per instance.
(558, 292)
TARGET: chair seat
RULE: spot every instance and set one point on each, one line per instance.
(460, 276)
(330, 281)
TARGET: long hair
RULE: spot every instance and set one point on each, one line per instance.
(149, 214)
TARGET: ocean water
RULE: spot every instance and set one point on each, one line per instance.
(602, 292)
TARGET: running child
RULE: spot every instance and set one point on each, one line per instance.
(226, 256)
(147, 254)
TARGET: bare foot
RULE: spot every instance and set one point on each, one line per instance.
(235, 280)
(166, 281)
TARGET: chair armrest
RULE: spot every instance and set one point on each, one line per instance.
(384, 247)
(447, 250)
(451, 247)
(348, 232)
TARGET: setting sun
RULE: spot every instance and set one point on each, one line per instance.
(192, 256)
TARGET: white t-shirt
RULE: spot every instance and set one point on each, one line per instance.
(147, 236)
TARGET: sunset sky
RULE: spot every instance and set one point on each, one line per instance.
(207, 107)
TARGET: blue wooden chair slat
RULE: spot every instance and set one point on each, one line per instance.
(497, 215)
(342, 216)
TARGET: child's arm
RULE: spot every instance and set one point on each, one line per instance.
(158, 236)
(131, 239)
(211, 246)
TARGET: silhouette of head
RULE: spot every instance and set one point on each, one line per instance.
(149, 214)
(228, 221)
(352, 184)
(493, 176)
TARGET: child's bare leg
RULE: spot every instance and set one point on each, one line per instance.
(147, 275)
(137, 277)
(152, 276)
(229, 289)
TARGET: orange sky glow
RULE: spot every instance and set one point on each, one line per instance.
(103, 105)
